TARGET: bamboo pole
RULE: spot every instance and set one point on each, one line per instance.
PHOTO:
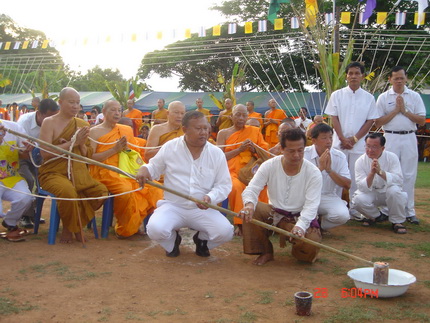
(185, 196)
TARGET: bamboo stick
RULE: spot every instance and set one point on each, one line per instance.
(185, 196)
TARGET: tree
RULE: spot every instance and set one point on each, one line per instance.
(95, 79)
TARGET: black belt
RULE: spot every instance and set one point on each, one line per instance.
(400, 132)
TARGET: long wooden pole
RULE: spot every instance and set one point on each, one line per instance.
(185, 196)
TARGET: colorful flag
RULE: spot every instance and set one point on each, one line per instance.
(421, 20)
(328, 17)
(262, 26)
(130, 92)
(216, 30)
(248, 27)
(202, 32)
(232, 28)
(274, 8)
(45, 44)
(361, 19)
(188, 33)
(133, 37)
(1, 44)
(35, 44)
(25, 44)
(7, 45)
(311, 12)
(381, 18)
(345, 18)
(400, 18)
(422, 5)
(368, 10)
(17, 44)
(159, 35)
(294, 23)
(279, 24)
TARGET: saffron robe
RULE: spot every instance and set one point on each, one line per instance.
(170, 135)
(239, 161)
(161, 115)
(53, 178)
(136, 116)
(271, 135)
(129, 209)
(226, 121)
(257, 116)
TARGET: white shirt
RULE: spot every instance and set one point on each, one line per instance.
(339, 165)
(413, 102)
(298, 193)
(28, 122)
(389, 163)
(305, 123)
(353, 109)
(207, 175)
(99, 119)
(10, 138)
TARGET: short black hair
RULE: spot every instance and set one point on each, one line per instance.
(292, 135)
(48, 105)
(396, 69)
(192, 114)
(376, 135)
(355, 64)
(251, 102)
(320, 128)
(97, 108)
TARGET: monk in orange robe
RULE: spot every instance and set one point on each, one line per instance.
(135, 115)
(252, 114)
(239, 155)
(53, 174)
(273, 118)
(206, 112)
(161, 133)
(159, 115)
(129, 209)
(224, 119)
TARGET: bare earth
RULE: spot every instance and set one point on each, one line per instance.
(120, 280)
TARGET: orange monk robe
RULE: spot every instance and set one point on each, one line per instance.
(257, 116)
(161, 115)
(142, 144)
(236, 163)
(53, 178)
(271, 135)
(170, 135)
(226, 121)
(4, 114)
(136, 116)
(206, 112)
(129, 209)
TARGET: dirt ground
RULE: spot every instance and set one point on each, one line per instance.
(115, 280)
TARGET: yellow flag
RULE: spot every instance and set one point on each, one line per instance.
(7, 45)
(279, 24)
(423, 18)
(63, 42)
(159, 35)
(45, 44)
(217, 30)
(188, 33)
(133, 37)
(345, 18)
(248, 27)
(108, 39)
(25, 44)
(85, 41)
(381, 18)
(311, 12)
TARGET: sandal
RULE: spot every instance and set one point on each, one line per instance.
(16, 235)
(399, 228)
(368, 222)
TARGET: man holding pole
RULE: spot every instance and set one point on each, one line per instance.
(195, 167)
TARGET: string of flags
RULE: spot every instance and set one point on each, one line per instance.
(262, 26)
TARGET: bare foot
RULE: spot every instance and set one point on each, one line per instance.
(80, 237)
(238, 230)
(262, 259)
(66, 236)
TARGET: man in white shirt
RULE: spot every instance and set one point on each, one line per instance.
(294, 188)
(335, 173)
(199, 169)
(303, 121)
(379, 183)
(401, 109)
(353, 111)
(31, 123)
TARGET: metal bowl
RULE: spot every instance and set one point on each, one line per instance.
(398, 281)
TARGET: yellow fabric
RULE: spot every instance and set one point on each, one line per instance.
(161, 115)
(9, 164)
(129, 209)
(226, 121)
(170, 135)
(136, 116)
(53, 178)
(271, 135)
(206, 112)
(129, 161)
(236, 163)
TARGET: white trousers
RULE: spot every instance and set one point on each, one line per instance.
(351, 158)
(394, 198)
(168, 218)
(333, 211)
(405, 147)
(19, 202)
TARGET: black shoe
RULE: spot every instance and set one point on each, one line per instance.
(201, 246)
(41, 221)
(413, 219)
(9, 227)
(175, 252)
(382, 217)
(26, 222)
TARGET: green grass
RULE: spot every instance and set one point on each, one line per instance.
(423, 178)
(265, 297)
(9, 306)
(388, 245)
(247, 317)
(355, 314)
(384, 259)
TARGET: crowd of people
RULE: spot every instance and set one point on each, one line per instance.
(289, 173)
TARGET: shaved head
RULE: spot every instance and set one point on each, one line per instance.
(65, 91)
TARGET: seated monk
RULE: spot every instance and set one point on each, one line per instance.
(272, 119)
(135, 115)
(254, 115)
(53, 175)
(159, 115)
(138, 141)
(239, 155)
(130, 209)
(162, 133)
(224, 119)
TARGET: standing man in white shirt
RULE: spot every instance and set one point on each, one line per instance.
(335, 173)
(193, 166)
(379, 183)
(302, 122)
(353, 112)
(401, 109)
(294, 188)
